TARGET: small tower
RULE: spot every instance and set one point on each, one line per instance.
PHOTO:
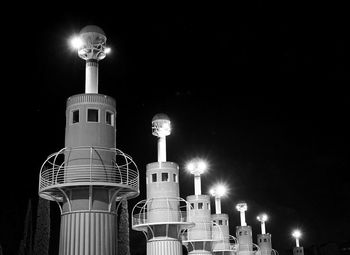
(244, 233)
(264, 239)
(221, 235)
(89, 175)
(199, 238)
(297, 250)
(162, 216)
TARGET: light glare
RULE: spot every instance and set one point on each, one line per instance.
(262, 217)
(296, 233)
(76, 42)
(196, 166)
(218, 190)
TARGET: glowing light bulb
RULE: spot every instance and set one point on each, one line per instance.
(296, 233)
(76, 42)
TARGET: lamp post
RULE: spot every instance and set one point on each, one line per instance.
(161, 128)
(221, 235)
(264, 239)
(242, 207)
(197, 167)
(262, 218)
(218, 191)
(296, 234)
(244, 232)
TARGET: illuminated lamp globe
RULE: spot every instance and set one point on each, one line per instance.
(296, 234)
(197, 166)
(241, 207)
(218, 191)
(90, 43)
(161, 125)
(262, 217)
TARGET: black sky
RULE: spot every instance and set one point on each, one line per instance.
(259, 90)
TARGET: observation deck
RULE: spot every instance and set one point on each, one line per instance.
(160, 211)
(88, 166)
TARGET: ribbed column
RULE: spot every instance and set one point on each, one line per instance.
(163, 247)
(87, 233)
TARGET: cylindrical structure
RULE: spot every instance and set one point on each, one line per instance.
(89, 175)
(162, 149)
(217, 205)
(298, 250)
(199, 238)
(199, 212)
(263, 229)
(91, 76)
(265, 244)
(90, 121)
(197, 184)
(221, 233)
(160, 216)
(86, 217)
(245, 240)
(163, 188)
(164, 247)
(242, 217)
(297, 242)
(88, 233)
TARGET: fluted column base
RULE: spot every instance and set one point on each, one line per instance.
(164, 247)
(87, 233)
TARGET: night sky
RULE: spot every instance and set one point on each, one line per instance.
(258, 90)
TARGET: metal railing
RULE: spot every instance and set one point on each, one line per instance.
(89, 166)
(159, 210)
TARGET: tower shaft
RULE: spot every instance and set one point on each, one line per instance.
(91, 76)
(162, 149)
(197, 184)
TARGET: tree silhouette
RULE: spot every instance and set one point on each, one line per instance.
(123, 233)
(42, 230)
(26, 244)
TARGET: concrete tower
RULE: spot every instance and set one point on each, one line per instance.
(297, 250)
(89, 175)
(221, 237)
(244, 233)
(264, 239)
(199, 238)
(162, 215)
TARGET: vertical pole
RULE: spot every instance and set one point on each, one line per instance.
(263, 230)
(242, 214)
(161, 149)
(197, 185)
(217, 205)
(91, 76)
(297, 242)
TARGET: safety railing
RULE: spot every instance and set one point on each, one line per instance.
(159, 210)
(89, 166)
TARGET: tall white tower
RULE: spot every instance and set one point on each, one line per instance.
(221, 231)
(162, 216)
(89, 175)
(264, 239)
(244, 233)
(199, 238)
(297, 250)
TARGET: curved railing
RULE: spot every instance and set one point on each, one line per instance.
(159, 211)
(89, 166)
